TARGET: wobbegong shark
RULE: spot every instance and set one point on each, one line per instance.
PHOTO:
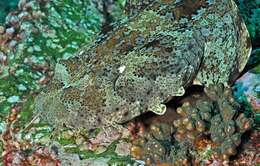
(164, 47)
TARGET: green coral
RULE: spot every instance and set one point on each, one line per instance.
(154, 146)
(50, 30)
(180, 154)
(217, 114)
(69, 26)
(57, 32)
(250, 11)
(193, 121)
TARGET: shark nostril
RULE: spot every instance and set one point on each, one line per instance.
(126, 113)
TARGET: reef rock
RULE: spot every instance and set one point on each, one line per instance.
(143, 62)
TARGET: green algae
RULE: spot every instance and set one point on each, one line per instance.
(109, 153)
(64, 27)
(61, 30)
(7, 6)
(49, 43)
(250, 11)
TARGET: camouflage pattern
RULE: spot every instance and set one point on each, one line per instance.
(164, 47)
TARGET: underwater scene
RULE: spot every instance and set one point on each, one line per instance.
(130, 82)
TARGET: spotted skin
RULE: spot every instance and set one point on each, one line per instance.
(142, 63)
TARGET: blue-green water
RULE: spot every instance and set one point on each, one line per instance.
(5, 7)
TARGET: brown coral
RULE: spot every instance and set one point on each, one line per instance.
(218, 116)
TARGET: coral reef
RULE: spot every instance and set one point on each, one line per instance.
(153, 146)
(250, 154)
(247, 89)
(140, 65)
(194, 120)
(218, 116)
(208, 130)
(250, 11)
(34, 146)
(23, 152)
(31, 40)
(34, 37)
(180, 155)
(41, 32)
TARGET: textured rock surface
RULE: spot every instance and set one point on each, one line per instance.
(146, 61)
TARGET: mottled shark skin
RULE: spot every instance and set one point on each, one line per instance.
(141, 64)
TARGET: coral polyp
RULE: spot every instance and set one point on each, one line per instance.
(216, 115)
(129, 82)
(194, 120)
(153, 146)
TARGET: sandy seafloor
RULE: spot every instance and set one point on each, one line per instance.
(26, 63)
